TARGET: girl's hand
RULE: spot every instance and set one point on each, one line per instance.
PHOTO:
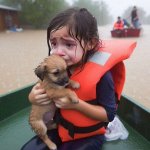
(92, 111)
(38, 95)
(65, 103)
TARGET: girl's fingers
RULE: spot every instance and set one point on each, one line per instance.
(43, 100)
(41, 96)
(41, 91)
(37, 86)
(58, 105)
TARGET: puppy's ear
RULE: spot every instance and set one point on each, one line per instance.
(40, 71)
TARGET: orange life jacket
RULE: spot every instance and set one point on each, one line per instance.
(110, 57)
(119, 25)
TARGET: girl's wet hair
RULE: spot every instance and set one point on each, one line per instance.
(81, 24)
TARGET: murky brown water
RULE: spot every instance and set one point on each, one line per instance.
(21, 52)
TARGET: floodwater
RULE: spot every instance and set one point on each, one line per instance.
(21, 52)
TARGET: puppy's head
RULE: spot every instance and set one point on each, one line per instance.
(53, 70)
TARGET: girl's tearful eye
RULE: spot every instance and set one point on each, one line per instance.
(53, 44)
(70, 45)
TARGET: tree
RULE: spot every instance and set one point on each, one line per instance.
(12, 3)
(99, 9)
(37, 13)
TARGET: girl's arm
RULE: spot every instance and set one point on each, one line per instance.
(38, 95)
(91, 111)
(106, 108)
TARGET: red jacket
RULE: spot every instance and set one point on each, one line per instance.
(110, 57)
(118, 25)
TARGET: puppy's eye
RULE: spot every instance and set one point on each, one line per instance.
(56, 72)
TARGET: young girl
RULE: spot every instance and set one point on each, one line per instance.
(73, 35)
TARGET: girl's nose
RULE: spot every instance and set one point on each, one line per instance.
(60, 51)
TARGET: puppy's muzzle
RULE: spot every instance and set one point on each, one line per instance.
(63, 82)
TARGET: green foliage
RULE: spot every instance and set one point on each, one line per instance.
(12, 3)
(37, 13)
(99, 9)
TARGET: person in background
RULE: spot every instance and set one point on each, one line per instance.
(119, 24)
(126, 23)
(135, 18)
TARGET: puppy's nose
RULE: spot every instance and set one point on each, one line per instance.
(66, 80)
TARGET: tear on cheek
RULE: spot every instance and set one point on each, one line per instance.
(75, 60)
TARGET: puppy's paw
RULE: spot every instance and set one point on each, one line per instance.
(75, 101)
(76, 85)
(52, 146)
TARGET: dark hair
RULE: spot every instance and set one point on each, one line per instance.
(119, 17)
(81, 24)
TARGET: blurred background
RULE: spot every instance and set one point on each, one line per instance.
(23, 44)
(30, 12)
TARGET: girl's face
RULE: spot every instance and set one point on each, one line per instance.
(65, 46)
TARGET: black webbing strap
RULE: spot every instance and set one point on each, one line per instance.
(75, 129)
(117, 100)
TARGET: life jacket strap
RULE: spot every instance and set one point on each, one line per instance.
(72, 129)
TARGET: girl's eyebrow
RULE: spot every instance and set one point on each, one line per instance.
(52, 38)
(68, 39)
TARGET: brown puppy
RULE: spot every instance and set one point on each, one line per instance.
(54, 78)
